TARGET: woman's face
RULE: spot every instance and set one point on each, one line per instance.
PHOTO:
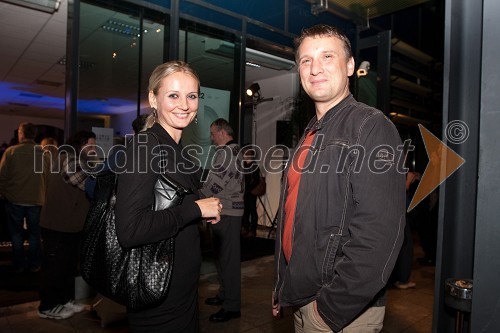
(176, 102)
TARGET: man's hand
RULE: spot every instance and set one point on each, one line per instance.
(316, 313)
(276, 307)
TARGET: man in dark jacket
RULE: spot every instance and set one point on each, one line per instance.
(23, 185)
(342, 206)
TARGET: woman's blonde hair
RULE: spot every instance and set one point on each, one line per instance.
(161, 72)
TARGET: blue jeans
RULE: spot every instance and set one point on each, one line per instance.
(15, 220)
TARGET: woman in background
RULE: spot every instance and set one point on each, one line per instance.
(61, 221)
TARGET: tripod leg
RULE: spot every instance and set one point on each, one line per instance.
(274, 224)
(265, 210)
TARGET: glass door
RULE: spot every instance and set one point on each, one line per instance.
(212, 54)
(120, 44)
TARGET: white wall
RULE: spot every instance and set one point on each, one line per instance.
(10, 123)
(282, 89)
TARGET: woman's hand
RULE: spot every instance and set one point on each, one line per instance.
(210, 209)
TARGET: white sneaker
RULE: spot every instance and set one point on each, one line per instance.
(75, 307)
(57, 312)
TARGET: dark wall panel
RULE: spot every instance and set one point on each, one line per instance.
(486, 312)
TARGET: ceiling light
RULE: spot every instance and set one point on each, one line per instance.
(120, 27)
(251, 64)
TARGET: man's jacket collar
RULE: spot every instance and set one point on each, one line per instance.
(315, 125)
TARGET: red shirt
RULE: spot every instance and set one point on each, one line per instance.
(293, 180)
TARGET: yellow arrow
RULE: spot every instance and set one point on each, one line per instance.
(443, 161)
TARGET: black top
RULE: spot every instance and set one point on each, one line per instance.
(138, 224)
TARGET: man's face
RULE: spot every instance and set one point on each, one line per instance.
(20, 134)
(88, 151)
(324, 70)
(216, 136)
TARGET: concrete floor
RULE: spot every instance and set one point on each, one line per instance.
(408, 311)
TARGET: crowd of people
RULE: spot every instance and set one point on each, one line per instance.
(338, 236)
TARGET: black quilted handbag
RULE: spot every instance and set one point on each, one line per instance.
(137, 277)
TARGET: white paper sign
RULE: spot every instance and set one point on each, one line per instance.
(104, 140)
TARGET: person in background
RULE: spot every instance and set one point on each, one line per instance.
(427, 228)
(62, 220)
(51, 146)
(3, 148)
(23, 186)
(115, 153)
(139, 123)
(226, 182)
(252, 179)
(402, 269)
(174, 92)
(342, 206)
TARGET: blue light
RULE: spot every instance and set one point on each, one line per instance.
(16, 95)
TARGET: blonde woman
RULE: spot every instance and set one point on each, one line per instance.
(174, 92)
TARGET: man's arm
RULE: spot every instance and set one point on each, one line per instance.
(368, 256)
(220, 173)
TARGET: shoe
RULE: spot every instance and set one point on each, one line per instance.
(214, 301)
(224, 315)
(57, 312)
(75, 307)
(401, 285)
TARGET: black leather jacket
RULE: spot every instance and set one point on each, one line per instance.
(349, 217)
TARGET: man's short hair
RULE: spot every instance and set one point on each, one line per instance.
(222, 124)
(28, 129)
(322, 30)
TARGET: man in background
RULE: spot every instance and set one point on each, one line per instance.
(24, 190)
(225, 181)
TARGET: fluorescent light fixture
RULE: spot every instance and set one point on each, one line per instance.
(226, 49)
(410, 51)
(251, 64)
(48, 6)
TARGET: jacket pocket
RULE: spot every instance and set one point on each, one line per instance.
(330, 256)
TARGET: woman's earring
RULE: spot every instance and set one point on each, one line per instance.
(196, 119)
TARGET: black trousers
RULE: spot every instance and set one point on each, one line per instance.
(59, 267)
(250, 217)
(227, 251)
